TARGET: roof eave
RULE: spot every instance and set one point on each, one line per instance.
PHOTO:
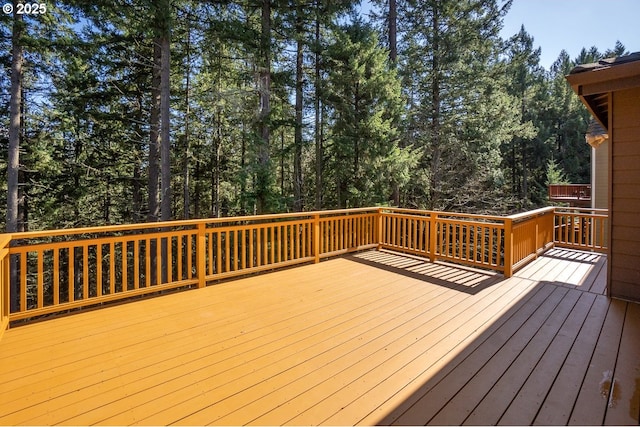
(592, 84)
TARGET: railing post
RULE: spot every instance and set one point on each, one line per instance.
(508, 247)
(316, 237)
(379, 229)
(201, 259)
(537, 240)
(433, 235)
(5, 287)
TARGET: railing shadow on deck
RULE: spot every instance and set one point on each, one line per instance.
(459, 278)
(574, 255)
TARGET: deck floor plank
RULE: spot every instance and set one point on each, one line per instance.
(593, 398)
(151, 347)
(507, 340)
(558, 398)
(530, 337)
(626, 386)
(381, 386)
(153, 375)
(377, 330)
(371, 338)
(366, 371)
(413, 390)
(599, 285)
(533, 372)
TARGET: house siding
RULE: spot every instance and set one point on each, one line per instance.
(625, 195)
(600, 190)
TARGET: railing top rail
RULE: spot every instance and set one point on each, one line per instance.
(5, 239)
(582, 210)
(177, 223)
(531, 214)
(569, 185)
(444, 213)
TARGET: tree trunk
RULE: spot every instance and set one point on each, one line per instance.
(154, 136)
(435, 115)
(393, 58)
(393, 43)
(523, 147)
(137, 173)
(15, 127)
(282, 158)
(187, 154)
(243, 177)
(165, 155)
(297, 154)
(263, 175)
(216, 170)
(318, 118)
(15, 124)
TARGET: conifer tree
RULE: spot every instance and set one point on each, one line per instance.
(363, 94)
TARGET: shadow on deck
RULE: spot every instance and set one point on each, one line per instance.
(459, 278)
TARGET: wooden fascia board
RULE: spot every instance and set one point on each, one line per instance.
(609, 85)
(605, 74)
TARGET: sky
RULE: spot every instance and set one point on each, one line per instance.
(574, 24)
(571, 25)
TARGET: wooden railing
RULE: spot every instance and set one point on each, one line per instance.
(66, 269)
(59, 270)
(5, 240)
(499, 243)
(568, 192)
(531, 234)
(585, 229)
(476, 240)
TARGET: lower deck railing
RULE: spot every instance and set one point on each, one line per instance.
(54, 271)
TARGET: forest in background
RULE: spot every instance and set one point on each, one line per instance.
(140, 110)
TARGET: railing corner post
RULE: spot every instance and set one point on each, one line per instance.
(316, 237)
(379, 229)
(433, 235)
(508, 247)
(201, 259)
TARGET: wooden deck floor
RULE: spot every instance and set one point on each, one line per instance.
(373, 338)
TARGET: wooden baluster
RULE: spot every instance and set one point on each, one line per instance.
(285, 243)
(72, 277)
(258, 247)
(201, 256)
(180, 253)
(40, 275)
(169, 265)
(218, 235)
(252, 237)
(56, 276)
(227, 258)
(85, 271)
(112, 277)
(317, 237)
(499, 238)
(433, 235)
(147, 262)
(123, 256)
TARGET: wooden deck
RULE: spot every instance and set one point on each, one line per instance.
(371, 338)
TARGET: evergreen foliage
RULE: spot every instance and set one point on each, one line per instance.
(280, 106)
